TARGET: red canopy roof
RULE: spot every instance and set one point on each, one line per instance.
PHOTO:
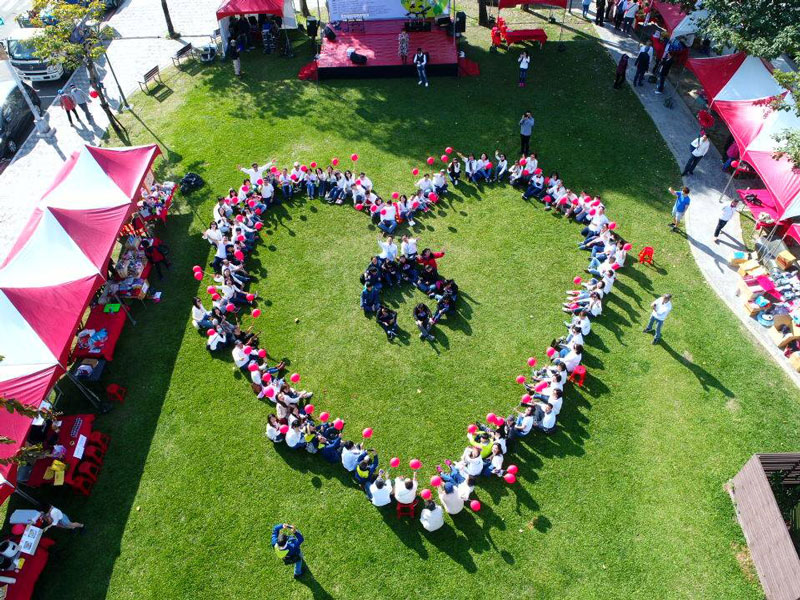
(230, 8)
(510, 3)
(744, 119)
(671, 13)
(715, 72)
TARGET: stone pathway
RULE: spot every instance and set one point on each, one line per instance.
(678, 126)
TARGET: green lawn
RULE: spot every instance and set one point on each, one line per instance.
(625, 501)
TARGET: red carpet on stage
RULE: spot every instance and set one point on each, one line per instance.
(377, 40)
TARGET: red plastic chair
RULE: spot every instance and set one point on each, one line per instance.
(100, 440)
(82, 485)
(407, 510)
(93, 454)
(116, 393)
(646, 255)
(89, 470)
(578, 375)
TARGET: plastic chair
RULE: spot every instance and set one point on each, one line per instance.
(407, 510)
(100, 440)
(82, 485)
(89, 470)
(578, 375)
(116, 393)
(93, 454)
(646, 255)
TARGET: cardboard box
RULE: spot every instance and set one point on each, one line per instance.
(757, 272)
(782, 339)
(748, 265)
(738, 257)
(785, 260)
(751, 308)
(794, 360)
(749, 292)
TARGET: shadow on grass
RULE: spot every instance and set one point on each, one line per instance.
(706, 379)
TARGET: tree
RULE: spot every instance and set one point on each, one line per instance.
(764, 28)
(75, 38)
(170, 29)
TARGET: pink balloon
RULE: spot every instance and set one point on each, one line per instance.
(358, 182)
(431, 160)
(525, 172)
(394, 463)
(247, 349)
(256, 312)
(415, 171)
(304, 168)
(273, 169)
(415, 205)
(531, 362)
(211, 331)
(373, 208)
(475, 505)
(294, 377)
(577, 280)
(448, 150)
(269, 392)
(499, 421)
(258, 226)
(260, 181)
(240, 218)
(433, 198)
(251, 203)
(627, 247)
(293, 177)
(491, 417)
(239, 255)
(334, 161)
(211, 290)
(472, 429)
(309, 409)
(383, 211)
(520, 379)
(354, 157)
(612, 225)
(338, 424)
(444, 158)
(592, 212)
(230, 307)
(541, 386)
(426, 494)
(512, 469)
(266, 378)
(510, 477)
(395, 195)
(522, 162)
(262, 353)
(359, 206)
(615, 266)
(197, 268)
(284, 429)
(324, 416)
(313, 164)
(252, 367)
(526, 399)
(551, 352)
(250, 297)
(414, 463)
(367, 433)
(436, 481)
(245, 189)
(198, 275)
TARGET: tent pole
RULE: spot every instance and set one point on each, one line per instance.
(125, 309)
(561, 46)
(727, 185)
(27, 497)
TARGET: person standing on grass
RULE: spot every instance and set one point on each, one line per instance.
(600, 8)
(725, 215)
(700, 147)
(233, 54)
(682, 201)
(286, 541)
(524, 61)
(421, 62)
(661, 309)
(402, 46)
(525, 131)
(622, 69)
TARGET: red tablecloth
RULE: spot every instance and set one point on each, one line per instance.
(29, 574)
(521, 35)
(112, 323)
(72, 427)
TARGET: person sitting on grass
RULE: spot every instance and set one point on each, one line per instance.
(274, 429)
(388, 219)
(470, 166)
(502, 166)
(493, 465)
(365, 470)
(524, 422)
(370, 299)
(201, 318)
(440, 182)
(443, 306)
(572, 358)
(352, 454)
(432, 516)
(471, 461)
(428, 280)
(581, 320)
(454, 171)
(294, 437)
(389, 249)
(424, 321)
(535, 186)
(544, 419)
(218, 339)
(451, 500)
(387, 319)
(380, 491)
(405, 489)
(428, 257)
(390, 273)
(463, 483)
(407, 270)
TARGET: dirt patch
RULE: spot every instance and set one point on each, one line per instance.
(745, 561)
(732, 405)
(688, 356)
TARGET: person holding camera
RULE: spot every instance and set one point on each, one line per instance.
(525, 130)
(286, 541)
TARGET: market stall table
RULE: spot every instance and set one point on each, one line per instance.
(519, 36)
(73, 434)
(27, 576)
(111, 322)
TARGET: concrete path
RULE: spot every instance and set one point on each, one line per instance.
(678, 127)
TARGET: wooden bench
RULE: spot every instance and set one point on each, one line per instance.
(187, 50)
(153, 74)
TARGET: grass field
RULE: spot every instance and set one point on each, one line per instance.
(625, 501)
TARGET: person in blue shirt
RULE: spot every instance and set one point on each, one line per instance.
(370, 300)
(682, 201)
(287, 546)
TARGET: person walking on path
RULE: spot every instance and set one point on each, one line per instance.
(233, 54)
(67, 102)
(622, 69)
(628, 18)
(663, 71)
(600, 8)
(682, 201)
(421, 61)
(585, 4)
(525, 131)
(725, 215)
(524, 61)
(642, 62)
(286, 541)
(700, 147)
(82, 99)
(402, 46)
(661, 309)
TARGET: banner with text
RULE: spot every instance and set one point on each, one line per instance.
(342, 10)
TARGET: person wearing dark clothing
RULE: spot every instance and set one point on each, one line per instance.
(666, 65)
(424, 320)
(622, 68)
(427, 280)
(233, 54)
(388, 320)
(408, 270)
(156, 255)
(287, 546)
(620, 14)
(390, 273)
(642, 63)
(599, 18)
(370, 300)
(442, 307)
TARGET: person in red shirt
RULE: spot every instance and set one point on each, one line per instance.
(428, 257)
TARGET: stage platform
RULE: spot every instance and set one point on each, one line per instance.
(377, 40)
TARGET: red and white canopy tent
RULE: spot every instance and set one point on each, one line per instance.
(233, 8)
(676, 21)
(53, 271)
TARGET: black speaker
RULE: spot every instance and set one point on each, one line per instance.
(358, 59)
(330, 34)
(312, 27)
(461, 22)
(443, 21)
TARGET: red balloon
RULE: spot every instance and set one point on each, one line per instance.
(93, 93)
(525, 172)
(239, 255)
(735, 164)
(475, 505)
(241, 237)
(338, 424)
(431, 160)
(259, 225)
(433, 198)
(250, 297)
(510, 477)
(303, 168)
(550, 351)
(520, 379)
(273, 169)
(230, 307)
(309, 409)
(414, 463)
(395, 195)
(359, 206)
(293, 177)
(444, 158)
(253, 367)
(526, 399)
(367, 433)
(473, 429)
(215, 297)
(211, 332)
(334, 161)
(512, 469)
(197, 268)
(256, 312)
(198, 275)
(247, 349)
(284, 429)
(415, 171)
(522, 162)
(354, 157)
(262, 353)
(260, 181)
(448, 150)
(324, 416)
(211, 290)
(269, 392)
(313, 164)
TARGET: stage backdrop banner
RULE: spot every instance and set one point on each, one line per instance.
(369, 10)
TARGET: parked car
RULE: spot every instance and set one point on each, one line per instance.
(21, 54)
(16, 118)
